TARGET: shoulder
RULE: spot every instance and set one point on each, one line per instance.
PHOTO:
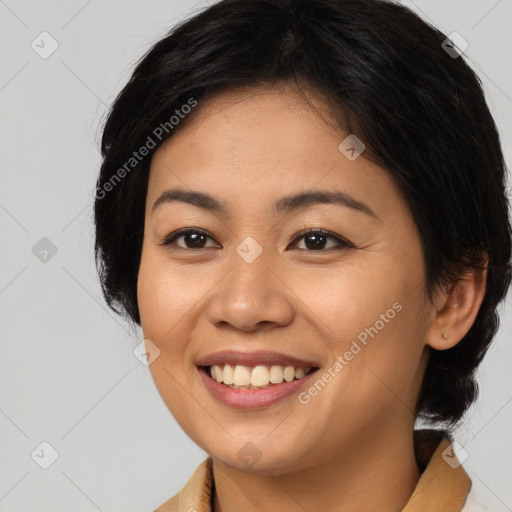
(196, 495)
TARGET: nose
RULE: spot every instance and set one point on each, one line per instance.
(252, 296)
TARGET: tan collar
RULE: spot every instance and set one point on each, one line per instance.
(442, 487)
(444, 484)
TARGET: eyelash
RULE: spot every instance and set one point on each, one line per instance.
(342, 243)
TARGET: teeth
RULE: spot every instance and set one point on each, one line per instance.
(229, 374)
(241, 377)
(289, 373)
(299, 373)
(260, 376)
(276, 374)
(218, 374)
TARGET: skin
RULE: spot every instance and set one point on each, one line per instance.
(350, 448)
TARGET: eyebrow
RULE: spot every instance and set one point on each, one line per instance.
(284, 205)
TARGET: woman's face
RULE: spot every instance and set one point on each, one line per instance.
(258, 291)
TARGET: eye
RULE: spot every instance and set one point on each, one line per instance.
(315, 239)
(193, 237)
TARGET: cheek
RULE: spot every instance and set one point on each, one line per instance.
(348, 299)
(165, 297)
(163, 305)
(368, 317)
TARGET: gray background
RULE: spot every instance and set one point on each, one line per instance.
(68, 373)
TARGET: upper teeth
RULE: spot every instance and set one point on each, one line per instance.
(260, 376)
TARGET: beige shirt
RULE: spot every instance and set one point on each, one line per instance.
(443, 486)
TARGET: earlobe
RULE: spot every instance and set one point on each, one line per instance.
(459, 308)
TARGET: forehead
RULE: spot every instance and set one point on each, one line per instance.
(248, 120)
(259, 143)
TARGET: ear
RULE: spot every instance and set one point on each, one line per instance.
(457, 308)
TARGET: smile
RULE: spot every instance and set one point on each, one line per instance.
(256, 377)
(253, 380)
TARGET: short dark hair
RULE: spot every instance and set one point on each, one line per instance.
(387, 77)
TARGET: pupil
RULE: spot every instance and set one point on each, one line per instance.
(317, 244)
(195, 238)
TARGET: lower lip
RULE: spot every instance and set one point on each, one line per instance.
(251, 398)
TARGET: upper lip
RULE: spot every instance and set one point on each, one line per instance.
(252, 359)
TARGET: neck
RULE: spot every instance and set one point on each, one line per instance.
(372, 474)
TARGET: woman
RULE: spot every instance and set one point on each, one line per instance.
(302, 204)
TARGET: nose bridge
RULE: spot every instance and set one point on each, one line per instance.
(251, 294)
